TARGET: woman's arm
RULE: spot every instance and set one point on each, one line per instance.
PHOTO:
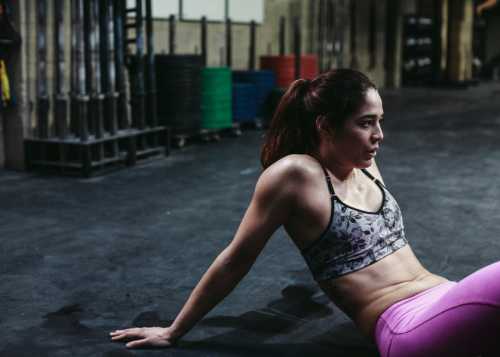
(269, 208)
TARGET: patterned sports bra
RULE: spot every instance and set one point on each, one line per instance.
(355, 238)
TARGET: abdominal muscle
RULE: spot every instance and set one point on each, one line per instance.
(365, 294)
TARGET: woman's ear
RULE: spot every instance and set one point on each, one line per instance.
(323, 126)
(319, 122)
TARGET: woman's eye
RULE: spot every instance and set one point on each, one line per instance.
(365, 124)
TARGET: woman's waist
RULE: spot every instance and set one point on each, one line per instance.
(365, 294)
(366, 313)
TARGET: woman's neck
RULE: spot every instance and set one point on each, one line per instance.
(338, 169)
(341, 173)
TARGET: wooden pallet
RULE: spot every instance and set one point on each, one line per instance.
(71, 156)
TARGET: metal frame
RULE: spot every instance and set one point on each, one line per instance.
(180, 18)
(94, 142)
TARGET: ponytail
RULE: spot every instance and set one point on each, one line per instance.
(292, 129)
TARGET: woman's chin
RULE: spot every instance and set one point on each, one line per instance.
(365, 163)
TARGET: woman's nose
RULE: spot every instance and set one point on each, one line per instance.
(378, 134)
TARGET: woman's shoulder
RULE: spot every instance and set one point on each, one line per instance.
(290, 173)
(296, 167)
(288, 179)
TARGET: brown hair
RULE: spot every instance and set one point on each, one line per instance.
(335, 94)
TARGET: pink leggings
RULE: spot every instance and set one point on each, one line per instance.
(452, 319)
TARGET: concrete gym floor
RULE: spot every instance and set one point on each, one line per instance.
(81, 257)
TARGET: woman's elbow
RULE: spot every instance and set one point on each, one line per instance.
(235, 262)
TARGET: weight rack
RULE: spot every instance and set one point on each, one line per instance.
(92, 128)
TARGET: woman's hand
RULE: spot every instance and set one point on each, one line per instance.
(145, 337)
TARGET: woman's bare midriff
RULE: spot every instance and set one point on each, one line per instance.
(365, 294)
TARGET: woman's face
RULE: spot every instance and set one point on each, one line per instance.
(357, 143)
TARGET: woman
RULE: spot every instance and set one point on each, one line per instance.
(322, 184)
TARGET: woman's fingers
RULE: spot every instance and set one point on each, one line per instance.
(138, 343)
(128, 333)
(131, 330)
(118, 337)
(149, 341)
(142, 337)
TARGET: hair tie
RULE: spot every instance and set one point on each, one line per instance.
(306, 85)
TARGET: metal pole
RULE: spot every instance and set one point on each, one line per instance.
(152, 92)
(251, 51)
(103, 48)
(282, 36)
(321, 32)
(42, 93)
(297, 46)
(436, 40)
(339, 42)
(81, 97)
(111, 95)
(28, 53)
(373, 34)
(96, 95)
(60, 97)
(122, 110)
(229, 50)
(204, 40)
(353, 18)
(138, 100)
(311, 42)
(331, 32)
(73, 122)
(393, 17)
(87, 39)
(171, 34)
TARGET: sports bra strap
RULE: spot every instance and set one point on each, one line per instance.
(329, 182)
(371, 177)
(330, 185)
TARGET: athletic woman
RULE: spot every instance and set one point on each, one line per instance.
(321, 183)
